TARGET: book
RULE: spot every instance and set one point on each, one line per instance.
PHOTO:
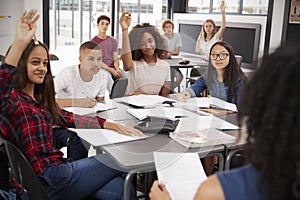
(145, 101)
(182, 173)
(201, 138)
(86, 111)
(101, 137)
(209, 102)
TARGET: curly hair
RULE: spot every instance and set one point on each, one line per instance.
(44, 91)
(270, 108)
(232, 73)
(136, 35)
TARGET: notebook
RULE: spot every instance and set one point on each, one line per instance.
(145, 101)
(85, 111)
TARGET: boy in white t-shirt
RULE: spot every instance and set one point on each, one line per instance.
(84, 84)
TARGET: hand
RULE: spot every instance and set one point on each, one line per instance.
(125, 19)
(26, 26)
(117, 74)
(85, 102)
(183, 96)
(159, 192)
(222, 6)
(124, 130)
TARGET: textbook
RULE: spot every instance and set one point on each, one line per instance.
(85, 111)
(182, 173)
(201, 138)
(208, 102)
(146, 101)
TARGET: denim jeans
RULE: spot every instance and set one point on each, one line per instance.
(85, 178)
(77, 151)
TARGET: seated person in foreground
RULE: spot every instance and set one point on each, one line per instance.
(84, 84)
(224, 80)
(272, 122)
(142, 53)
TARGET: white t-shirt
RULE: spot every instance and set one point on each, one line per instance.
(206, 45)
(68, 84)
(174, 42)
(148, 79)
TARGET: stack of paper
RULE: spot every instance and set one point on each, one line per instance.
(182, 173)
(202, 138)
(100, 137)
(168, 112)
(144, 101)
(85, 111)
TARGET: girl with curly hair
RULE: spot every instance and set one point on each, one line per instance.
(142, 53)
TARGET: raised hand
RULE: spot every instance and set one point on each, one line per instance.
(26, 26)
(222, 6)
(125, 19)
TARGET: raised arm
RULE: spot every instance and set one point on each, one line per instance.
(223, 24)
(25, 31)
(126, 56)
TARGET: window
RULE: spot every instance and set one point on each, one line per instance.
(253, 7)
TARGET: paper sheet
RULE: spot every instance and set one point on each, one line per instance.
(182, 173)
(168, 112)
(85, 111)
(100, 137)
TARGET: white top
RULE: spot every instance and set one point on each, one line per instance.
(148, 79)
(174, 42)
(68, 84)
(205, 46)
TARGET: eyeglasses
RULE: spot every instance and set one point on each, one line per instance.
(222, 56)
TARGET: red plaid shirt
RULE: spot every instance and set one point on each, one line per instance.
(25, 123)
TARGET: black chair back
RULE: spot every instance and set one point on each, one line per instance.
(119, 88)
(23, 173)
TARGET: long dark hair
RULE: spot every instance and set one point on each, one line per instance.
(270, 108)
(232, 73)
(44, 91)
(136, 35)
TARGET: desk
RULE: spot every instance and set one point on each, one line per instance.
(137, 156)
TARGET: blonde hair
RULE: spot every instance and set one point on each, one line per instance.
(203, 34)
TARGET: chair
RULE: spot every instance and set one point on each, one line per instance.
(53, 57)
(194, 75)
(239, 59)
(119, 88)
(22, 171)
(1, 57)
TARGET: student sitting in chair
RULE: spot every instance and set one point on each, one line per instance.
(84, 84)
(142, 54)
(272, 123)
(28, 112)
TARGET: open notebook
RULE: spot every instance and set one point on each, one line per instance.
(182, 173)
(201, 138)
(85, 111)
(167, 112)
(208, 102)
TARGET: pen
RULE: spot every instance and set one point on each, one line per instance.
(180, 116)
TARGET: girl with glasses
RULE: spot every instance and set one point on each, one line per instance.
(224, 79)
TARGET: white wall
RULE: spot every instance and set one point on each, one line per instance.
(14, 9)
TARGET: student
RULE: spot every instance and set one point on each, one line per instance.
(224, 80)
(208, 35)
(174, 43)
(84, 84)
(142, 53)
(109, 47)
(28, 112)
(270, 110)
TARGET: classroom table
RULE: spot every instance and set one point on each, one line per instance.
(137, 156)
